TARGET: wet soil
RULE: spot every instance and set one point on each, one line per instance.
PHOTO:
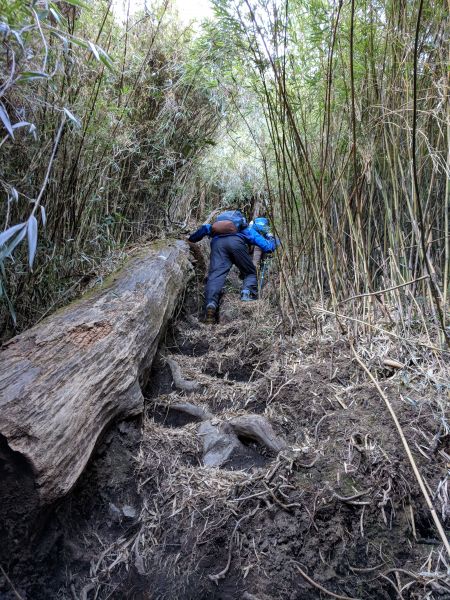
(340, 505)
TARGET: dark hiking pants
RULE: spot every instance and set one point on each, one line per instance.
(227, 251)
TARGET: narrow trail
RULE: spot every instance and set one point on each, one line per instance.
(338, 502)
(335, 510)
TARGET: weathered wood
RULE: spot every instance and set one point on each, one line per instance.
(258, 428)
(192, 410)
(221, 437)
(63, 381)
(185, 385)
(219, 442)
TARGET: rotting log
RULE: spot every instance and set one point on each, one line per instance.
(66, 379)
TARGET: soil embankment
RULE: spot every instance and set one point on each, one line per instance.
(337, 509)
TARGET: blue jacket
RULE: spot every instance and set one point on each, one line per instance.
(248, 234)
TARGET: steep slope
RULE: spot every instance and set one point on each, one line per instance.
(334, 513)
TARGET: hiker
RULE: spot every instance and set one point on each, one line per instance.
(261, 226)
(230, 240)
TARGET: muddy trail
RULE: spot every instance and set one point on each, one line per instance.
(269, 469)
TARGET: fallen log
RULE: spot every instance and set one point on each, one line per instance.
(65, 380)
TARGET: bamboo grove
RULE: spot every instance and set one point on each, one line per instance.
(114, 133)
(100, 122)
(355, 96)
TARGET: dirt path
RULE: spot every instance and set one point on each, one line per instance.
(336, 510)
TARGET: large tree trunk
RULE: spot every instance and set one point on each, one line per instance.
(63, 381)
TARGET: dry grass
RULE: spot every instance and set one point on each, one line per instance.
(344, 466)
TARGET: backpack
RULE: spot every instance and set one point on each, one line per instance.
(261, 225)
(229, 223)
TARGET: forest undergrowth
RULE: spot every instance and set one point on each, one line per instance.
(336, 512)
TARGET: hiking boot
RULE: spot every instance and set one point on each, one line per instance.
(211, 311)
(246, 296)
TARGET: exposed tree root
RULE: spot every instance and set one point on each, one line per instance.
(257, 428)
(219, 442)
(189, 408)
(321, 588)
(224, 571)
(180, 382)
(220, 437)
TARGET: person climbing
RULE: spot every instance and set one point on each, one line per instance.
(259, 257)
(262, 226)
(230, 240)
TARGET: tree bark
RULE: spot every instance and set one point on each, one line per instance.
(65, 380)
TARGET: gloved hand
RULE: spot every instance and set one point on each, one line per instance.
(276, 242)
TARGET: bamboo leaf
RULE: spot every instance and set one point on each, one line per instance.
(105, 59)
(19, 39)
(14, 194)
(32, 130)
(43, 216)
(79, 42)
(8, 233)
(22, 124)
(56, 15)
(32, 232)
(4, 117)
(31, 75)
(8, 250)
(72, 117)
(64, 40)
(94, 50)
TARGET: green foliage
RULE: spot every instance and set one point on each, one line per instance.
(124, 133)
(96, 127)
(336, 91)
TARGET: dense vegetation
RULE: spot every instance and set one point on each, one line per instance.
(99, 126)
(355, 96)
(330, 394)
(331, 115)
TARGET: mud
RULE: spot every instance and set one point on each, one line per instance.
(148, 521)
